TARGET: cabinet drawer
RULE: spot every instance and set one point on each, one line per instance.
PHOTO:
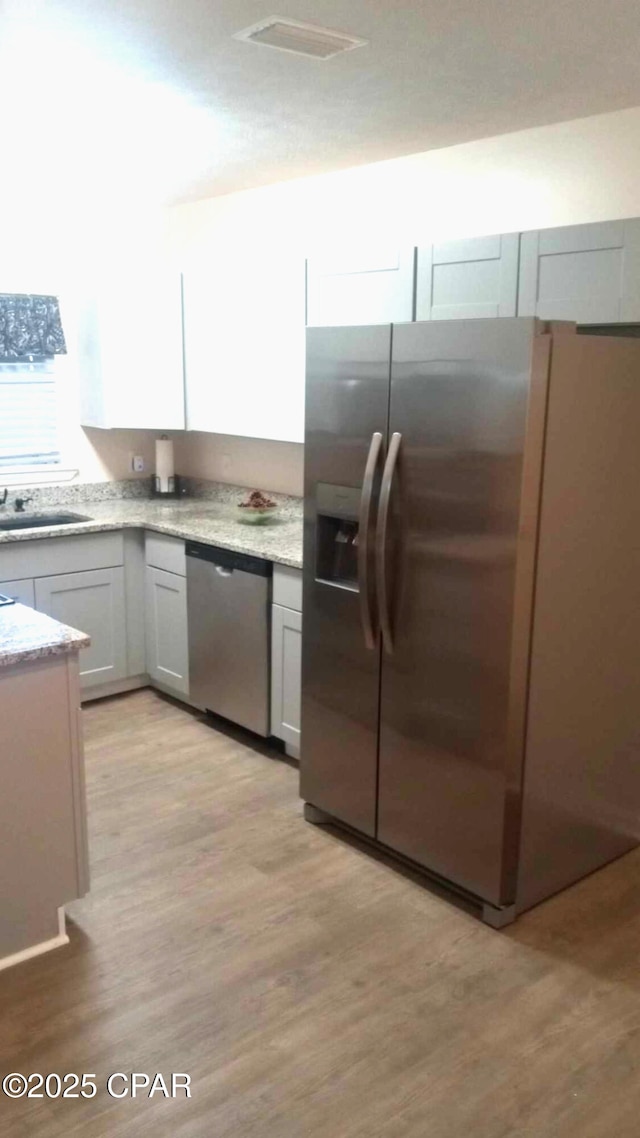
(47, 556)
(287, 587)
(162, 552)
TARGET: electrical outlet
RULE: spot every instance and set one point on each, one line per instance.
(137, 464)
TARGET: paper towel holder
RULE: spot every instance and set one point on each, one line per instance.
(165, 485)
(174, 490)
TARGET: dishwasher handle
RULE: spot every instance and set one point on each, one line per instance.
(222, 572)
(229, 559)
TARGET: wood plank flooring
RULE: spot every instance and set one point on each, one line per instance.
(309, 990)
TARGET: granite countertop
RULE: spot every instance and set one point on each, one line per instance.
(29, 635)
(194, 519)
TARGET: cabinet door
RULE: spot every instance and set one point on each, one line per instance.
(458, 280)
(286, 678)
(42, 809)
(93, 602)
(374, 286)
(166, 620)
(586, 273)
(22, 591)
(244, 342)
(132, 372)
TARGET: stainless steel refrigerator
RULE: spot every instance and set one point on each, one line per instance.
(471, 608)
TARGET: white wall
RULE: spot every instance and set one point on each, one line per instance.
(568, 173)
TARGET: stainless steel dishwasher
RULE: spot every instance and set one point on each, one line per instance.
(228, 601)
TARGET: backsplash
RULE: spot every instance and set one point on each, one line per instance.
(231, 495)
(240, 461)
(67, 495)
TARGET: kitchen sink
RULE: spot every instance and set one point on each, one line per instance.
(39, 521)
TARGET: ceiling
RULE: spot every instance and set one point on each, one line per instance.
(155, 96)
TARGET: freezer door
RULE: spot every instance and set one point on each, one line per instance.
(347, 400)
(468, 405)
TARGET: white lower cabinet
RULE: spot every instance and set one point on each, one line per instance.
(94, 602)
(21, 591)
(286, 657)
(166, 627)
(135, 611)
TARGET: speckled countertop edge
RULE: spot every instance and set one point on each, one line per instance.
(29, 635)
(207, 515)
(190, 519)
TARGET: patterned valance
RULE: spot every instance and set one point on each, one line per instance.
(29, 327)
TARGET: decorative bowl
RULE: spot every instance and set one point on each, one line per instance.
(255, 515)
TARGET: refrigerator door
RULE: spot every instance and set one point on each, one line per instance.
(467, 400)
(347, 400)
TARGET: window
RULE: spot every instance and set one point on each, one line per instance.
(28, 414)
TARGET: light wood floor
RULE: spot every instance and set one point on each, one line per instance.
(310, 990)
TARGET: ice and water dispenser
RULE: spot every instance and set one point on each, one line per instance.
(337, 510)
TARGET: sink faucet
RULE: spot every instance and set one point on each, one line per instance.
(20, 504)
(3, 499)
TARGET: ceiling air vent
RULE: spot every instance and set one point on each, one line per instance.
(303, 39)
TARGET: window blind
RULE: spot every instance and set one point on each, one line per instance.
(28, 414)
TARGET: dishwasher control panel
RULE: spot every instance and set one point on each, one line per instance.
(229, 559)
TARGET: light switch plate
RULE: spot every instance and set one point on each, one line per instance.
(137, 464)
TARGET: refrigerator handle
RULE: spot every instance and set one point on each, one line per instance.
(381, 541)
(364, 526)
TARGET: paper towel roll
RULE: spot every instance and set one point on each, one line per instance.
(164, 465)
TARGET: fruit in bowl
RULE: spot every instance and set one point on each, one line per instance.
(257, 509)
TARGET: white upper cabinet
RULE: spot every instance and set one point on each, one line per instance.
(130, 358)
(244, 340)
(467, 279)
(364, 286)
(586, 273)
